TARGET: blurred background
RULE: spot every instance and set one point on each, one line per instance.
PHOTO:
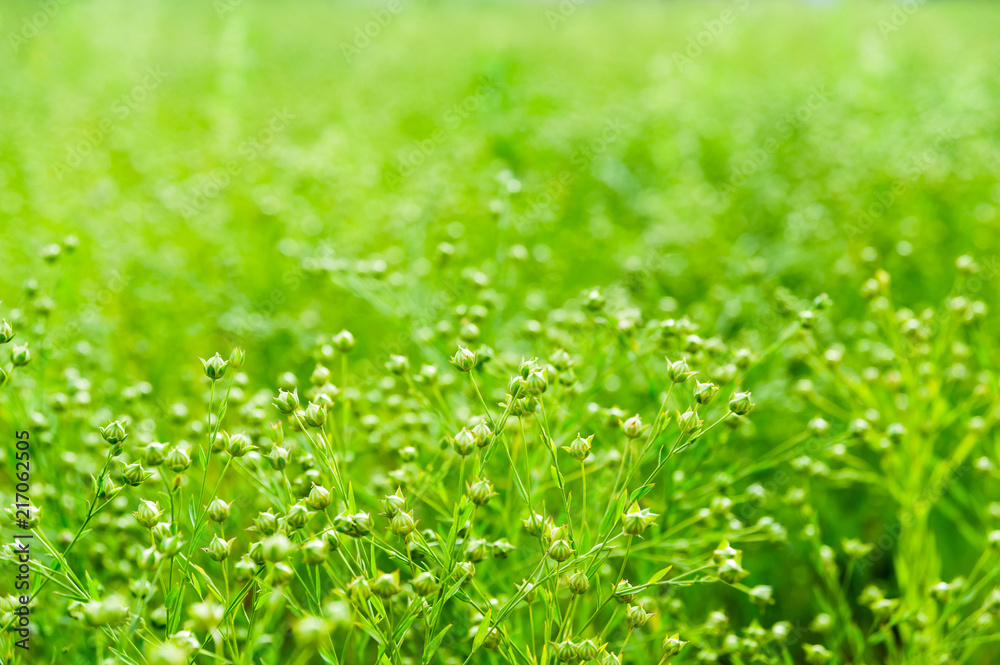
(256, 170)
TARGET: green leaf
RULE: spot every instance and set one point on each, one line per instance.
(640, 492)
(431, 647)
(93, 587)
(610, 518)
(658, 575)
(556, 476)
(484, 630)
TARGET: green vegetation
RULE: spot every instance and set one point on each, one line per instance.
(612, 332)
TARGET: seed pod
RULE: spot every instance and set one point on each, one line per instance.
(178, 460)
(220, 442)
(623, 592)
(237, 357)
(134, 475)
(578, 582)
(256, 553)
(402, 524)
(536, 383)
(319, 498)
(731, 572)
(480, 492)
(941, 592)
(171, 545)
(111, 611)
(635, 521)
(343, 341)
(160, 531)
(147, 514)
(464, 359)
(587, 650)
(239, 445)
(310, 632)
(762, 595)
(114, 432)
(565, 651)
(148, 558)
(464, 570)
(266, 523)
(633, 427)
(817, 654)
(678, 371)
(282, 573)
(218, 549)
(560, 550)
(428, 374)
(398, 364)
(275, 548)
(6, 332)
(534, 524)
(482, 433)
(726, 551)
(465, 442)
(740, 404)
(705, 392)
(332, 539)
(476, 549)
(672, 645)
(218, 510)
(153, 454)
(579, 449)
(393, 503)
(358, 590)
(528, 590)
(492, 639)
(278, 457)
(386, 586)
(594, 300)
(425, 584)
(357, 525)
(315, 415)
(20, 355)
(297, 516)
(636, 616)
(689, 422)
(287, 402)
(560, 360)
(215, 367)
(501, 548)
(315, 552)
